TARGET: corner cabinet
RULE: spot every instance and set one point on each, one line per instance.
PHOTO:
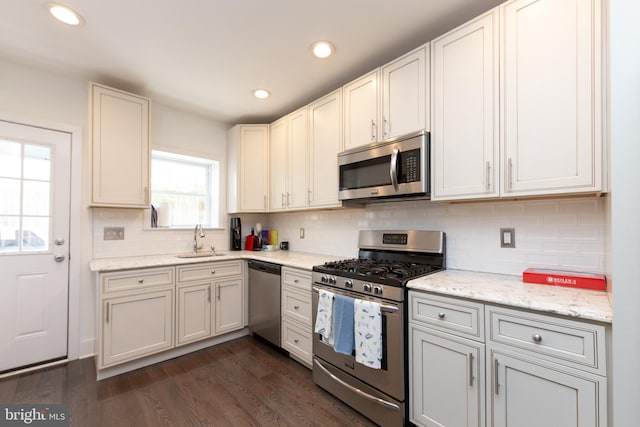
(325, 142)
(512, 119)
(473, 364)
(120, 149)
(248, 168)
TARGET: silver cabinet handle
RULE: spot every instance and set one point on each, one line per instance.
(107, 311)
(141, 280)
(309, 199)
(58, 257)
(495, 367)
(209, 293)
(537, 338)
(441, 315)
(296, 307)
(373, 131)
(488, 175)
(471, 369)
(218, 292)
(296, 341)
(265, 201)
(296, 281)
(282, 201)
(385, 130)
(393, 168)
(213, 272)
(509, 173)
(288, 198)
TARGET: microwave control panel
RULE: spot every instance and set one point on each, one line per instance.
(409, 166)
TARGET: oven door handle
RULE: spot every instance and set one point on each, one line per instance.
(356, 390)
(383, 307)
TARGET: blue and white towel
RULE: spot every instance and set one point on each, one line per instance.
(324, 316)
(368, 333)
(343, 319)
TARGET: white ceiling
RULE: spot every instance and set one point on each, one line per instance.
(207, 56)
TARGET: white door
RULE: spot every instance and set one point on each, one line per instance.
(35, 177)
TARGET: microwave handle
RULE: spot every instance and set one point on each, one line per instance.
(393, 169)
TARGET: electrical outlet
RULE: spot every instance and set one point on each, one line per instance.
(507, 237)
(301, 233)
(114, 233)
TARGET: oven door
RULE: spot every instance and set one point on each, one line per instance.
(390, 379)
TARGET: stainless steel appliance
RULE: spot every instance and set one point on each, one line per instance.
(397, 168)
(386, 261)
(264, 300)
(235, 231)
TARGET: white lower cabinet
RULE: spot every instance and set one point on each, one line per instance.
(229, 313)
(296, 314)
(540, 370)
(136, 325)
(193, 311)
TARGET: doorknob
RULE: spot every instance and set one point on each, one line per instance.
(58, 258)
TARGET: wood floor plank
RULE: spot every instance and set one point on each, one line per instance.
(241, 383)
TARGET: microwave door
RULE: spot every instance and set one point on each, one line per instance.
(393, 169)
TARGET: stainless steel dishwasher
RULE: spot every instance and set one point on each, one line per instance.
(264, 300)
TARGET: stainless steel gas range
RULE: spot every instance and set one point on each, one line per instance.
(386, 261)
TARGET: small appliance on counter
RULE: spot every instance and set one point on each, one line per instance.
(236, 234)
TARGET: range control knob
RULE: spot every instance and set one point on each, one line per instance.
(332, 280)
(348, 284)
(377, 290)
(366, 287)
(324, 279)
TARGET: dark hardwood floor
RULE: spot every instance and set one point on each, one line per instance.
(244, 382)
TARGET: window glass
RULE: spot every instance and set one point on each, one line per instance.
(184, 190)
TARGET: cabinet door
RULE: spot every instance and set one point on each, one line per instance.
(278, 160)
(120, 148)
(325, 142)
(253, 168)
(551, 96)
(464, 132)
(193, 312)
(228, 305)
(446, 380)
(136, 325)
(404, 94)
(297, 160)
(361, 111)
(527, 393)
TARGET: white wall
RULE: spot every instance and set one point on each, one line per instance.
(625, 177)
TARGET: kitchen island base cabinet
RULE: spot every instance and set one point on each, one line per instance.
(526, 392)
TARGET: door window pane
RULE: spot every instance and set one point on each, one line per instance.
(35, 198)
(9, 230)
(10, 164)
(9, 196)
(35, 234)
(37, 162)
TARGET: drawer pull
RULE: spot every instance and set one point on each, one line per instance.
(470, 369)
(537, 338)
(495, 368)
(141, 280)
(213, 272)
(296, 307)
(107, 312)
(296, 340)
(441, 315)
(296, 281)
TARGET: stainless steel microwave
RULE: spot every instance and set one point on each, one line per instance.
(395, 168)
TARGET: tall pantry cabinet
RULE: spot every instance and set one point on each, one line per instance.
(517, 105)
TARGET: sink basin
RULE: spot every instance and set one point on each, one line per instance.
(200, 254)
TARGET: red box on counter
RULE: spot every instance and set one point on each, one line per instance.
(570, 279)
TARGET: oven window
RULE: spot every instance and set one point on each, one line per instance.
(364, 174)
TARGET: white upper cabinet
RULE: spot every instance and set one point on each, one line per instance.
(325, 142)
(405, 94)
(248, 168)
(288, 162)
(551, 97)
(120, 148)
(361, 110)
(465, 142)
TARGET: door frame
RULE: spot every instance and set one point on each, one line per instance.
(75, 225)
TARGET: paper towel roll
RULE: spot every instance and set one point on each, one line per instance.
(164, 214)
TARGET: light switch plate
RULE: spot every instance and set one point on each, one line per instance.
(113, 233)
(507, 237)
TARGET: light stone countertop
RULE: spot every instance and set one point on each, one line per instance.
(285, 258)
(510, 290)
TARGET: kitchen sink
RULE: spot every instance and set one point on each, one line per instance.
(200, 254)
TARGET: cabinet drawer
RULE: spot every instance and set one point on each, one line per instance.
(209, 270)
(560, 340)
(296, 305)
(296, 339)
(300, 279)
(136, 279)
(464, 318)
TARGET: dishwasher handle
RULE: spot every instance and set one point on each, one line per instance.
(265, 267)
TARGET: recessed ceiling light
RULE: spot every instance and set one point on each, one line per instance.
(322, 49)
(65, 14)
(261, 93)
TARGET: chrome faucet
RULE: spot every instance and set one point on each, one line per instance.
(195, 238)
